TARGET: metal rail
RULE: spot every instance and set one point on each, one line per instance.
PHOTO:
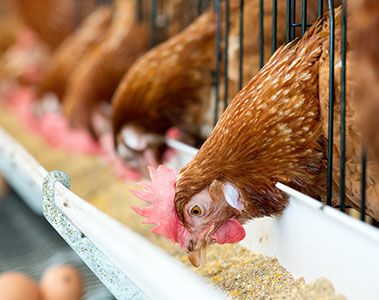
(129, 266)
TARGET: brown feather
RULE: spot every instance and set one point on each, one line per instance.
(72, 50)
(167, 81)
(96, 78)
(53, 20)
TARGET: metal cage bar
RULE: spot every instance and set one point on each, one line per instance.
(240, 67)
(320, 8)
(331, 103)
(304, 17)
(274, 24)
(217, 9)
(301, 24)
(139, 11)
(154, 33)
(226, 55)
(288, 21)
(343, 106)
(363, 185)
(261, 34)
(201, 6)
(293, 19)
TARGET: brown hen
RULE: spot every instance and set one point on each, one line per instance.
(365, 37)
(53, 20)
(270, 133)
(168, 86)
(98, 75)
(8, 26)
(354, 137)
(72, 50)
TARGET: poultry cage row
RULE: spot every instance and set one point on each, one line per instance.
(308, 237)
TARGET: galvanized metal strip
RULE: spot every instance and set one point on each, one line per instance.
(22, 171)
(116, 281)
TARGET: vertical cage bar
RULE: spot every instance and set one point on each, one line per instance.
(154, 11)
(320, 8)
(343, 106)
(205, 4)
(363, 185)
(331, 103)
(240, 70)
(293, 20)
(288, 20)
(261, 37)
(199, 7)
(274, 24)
(217, 56)
(304, 17)
(226, 58)
(139, 11)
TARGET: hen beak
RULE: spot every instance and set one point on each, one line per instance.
(198, 256)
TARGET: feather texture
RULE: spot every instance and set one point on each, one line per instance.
(72, 50)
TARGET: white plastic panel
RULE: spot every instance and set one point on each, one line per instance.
(313, 240)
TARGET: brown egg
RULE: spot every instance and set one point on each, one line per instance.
(61, 283)
(18, 286)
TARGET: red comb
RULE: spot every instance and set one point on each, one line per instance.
(161, 194)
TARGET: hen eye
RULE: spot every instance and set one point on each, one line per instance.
(196, 210)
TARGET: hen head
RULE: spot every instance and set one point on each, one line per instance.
(208, 217)
(139, 148)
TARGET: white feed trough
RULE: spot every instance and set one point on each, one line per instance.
(310, 239)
